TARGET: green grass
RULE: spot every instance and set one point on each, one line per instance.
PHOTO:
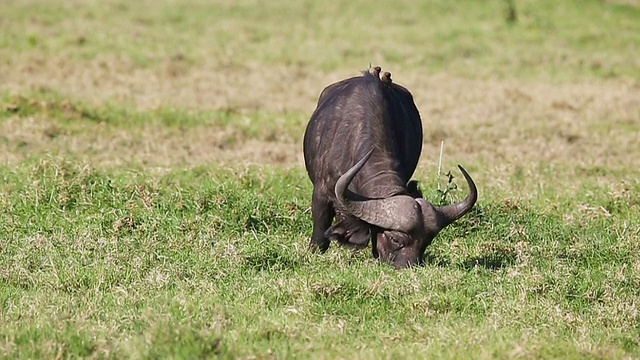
(75, 114)
(154, 204)
(561, 41)
(212, 261)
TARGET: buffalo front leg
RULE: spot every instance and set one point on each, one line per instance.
(322, 213)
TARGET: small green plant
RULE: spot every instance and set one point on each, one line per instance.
(444, 195)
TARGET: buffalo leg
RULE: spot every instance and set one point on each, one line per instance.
(322, 213)
(374, 243)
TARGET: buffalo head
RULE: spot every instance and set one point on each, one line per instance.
(403, 225)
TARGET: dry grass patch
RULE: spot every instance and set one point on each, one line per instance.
(553, 88)
(116, 78)
(488, 122)
(149, 146)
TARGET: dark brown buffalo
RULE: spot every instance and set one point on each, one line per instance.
(361, 147)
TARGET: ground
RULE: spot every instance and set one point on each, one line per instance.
(155, 202)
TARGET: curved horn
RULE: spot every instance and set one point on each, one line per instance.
(453, 212)
(396, 213)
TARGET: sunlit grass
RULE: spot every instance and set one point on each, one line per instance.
(214, 261)
(154, 201)
(560, 41)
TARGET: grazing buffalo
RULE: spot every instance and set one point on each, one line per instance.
(361, 148)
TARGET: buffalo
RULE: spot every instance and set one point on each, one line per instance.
(361, 147)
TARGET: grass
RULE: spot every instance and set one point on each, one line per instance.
(213, 261)
(155, 205)
(560, 39)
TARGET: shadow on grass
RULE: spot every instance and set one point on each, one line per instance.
(493, 261)
(271, 260)
(430, 259)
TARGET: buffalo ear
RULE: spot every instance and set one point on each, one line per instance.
(412, 188)
(349, 231)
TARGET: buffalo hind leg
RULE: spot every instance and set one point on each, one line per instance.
(374, 243)
(322, 213)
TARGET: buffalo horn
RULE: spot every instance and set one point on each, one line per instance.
(399, 212)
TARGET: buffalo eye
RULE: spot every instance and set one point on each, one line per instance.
(398, 241)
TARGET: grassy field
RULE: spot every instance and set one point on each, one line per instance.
(154, 203)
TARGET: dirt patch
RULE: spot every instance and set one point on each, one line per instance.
(246, 87)
(152, 145)
(591, 123)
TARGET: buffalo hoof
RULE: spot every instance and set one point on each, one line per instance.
(321, 247)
